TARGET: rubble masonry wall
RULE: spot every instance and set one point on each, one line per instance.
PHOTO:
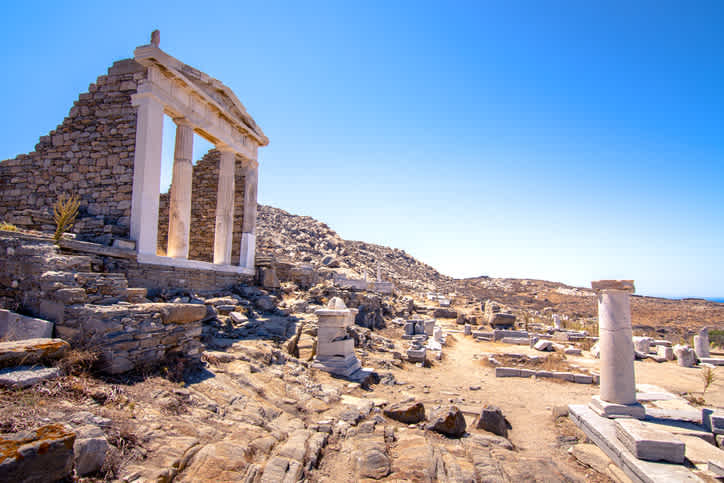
(90, 153)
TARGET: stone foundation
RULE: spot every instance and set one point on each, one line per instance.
(91, 308)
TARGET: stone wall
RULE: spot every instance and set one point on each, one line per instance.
(203, 210)
(91, 154)
(91, 308)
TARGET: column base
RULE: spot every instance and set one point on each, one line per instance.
(613, 410)
(248, 249)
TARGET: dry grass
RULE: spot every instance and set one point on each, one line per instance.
(4, 226)
(65, 212)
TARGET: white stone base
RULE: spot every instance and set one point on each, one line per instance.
(340, 366)
(192, 264)
(248, 248)
(613, 410)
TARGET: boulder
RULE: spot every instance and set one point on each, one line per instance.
(265, 303)
(370, 459)
(408, 413)
(448, 421)
(492, 420)
(30, 351)
(90, 449)
(42, 455)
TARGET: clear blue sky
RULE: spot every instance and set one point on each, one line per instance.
(568, 141)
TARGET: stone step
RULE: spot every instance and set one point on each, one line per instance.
(18, 327)
(31, 351)
(26, 376)
(649, 444)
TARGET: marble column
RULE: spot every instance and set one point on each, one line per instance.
(146, 172)
(248, 226)
(224, 207)
(179, 213)
(701, 343)
(618, 384)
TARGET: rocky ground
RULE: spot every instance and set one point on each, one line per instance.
(255, 410)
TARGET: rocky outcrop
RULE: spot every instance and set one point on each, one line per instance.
(39, 456)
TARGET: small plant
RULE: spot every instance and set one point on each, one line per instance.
(64, 213)
(708, 376)
(4, 226)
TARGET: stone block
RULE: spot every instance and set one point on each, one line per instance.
(582, 379)
(30, 351)
(507, 372)
(17, 327)
(42, 455)
(713, 420)
(499, 320)
(665, 352)
(527, 373)
(89, 450)
(649, 444)
(26, 376)
(613, 410)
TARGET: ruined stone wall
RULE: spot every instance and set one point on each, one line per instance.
(84, 304)
(91, 154)
(203, 210)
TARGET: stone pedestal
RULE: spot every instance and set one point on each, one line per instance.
(335, 348)
(618, 385)
(179, 212)
(701, 343)
(557, 321)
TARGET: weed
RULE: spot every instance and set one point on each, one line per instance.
(65, 212)
(708, 376)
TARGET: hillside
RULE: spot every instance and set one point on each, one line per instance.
(302, 239)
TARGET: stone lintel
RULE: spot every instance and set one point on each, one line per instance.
(618, 285)
(152, 56)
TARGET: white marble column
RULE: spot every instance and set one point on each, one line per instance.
(248, 227)
(701, 343)
(179, 213)
(146, 172)
(224, 207)
(618, 384)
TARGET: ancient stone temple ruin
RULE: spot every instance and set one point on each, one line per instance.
(108, 152)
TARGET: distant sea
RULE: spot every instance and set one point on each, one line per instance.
(710, 299)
